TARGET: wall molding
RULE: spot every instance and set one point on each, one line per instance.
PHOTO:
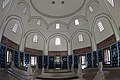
(106, 42)
(61, 53)
(33, 51)
(82, 50)
(58, 21)
(9, 43)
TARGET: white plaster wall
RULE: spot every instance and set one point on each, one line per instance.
(1, 13)
(15, 37)
(30, 44)
(77, 45)
(62, 47)
(47, 30)
(108, 31)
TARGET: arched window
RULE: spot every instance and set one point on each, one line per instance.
(76, 22)
(35, 38)
(33, 60)
(24, 10)
(39, 22)
(5, 2)
(100, 25)
(57, 26)
(91, 9)
(111, 3)
(15, 28)
(80, 38)
(57, 41)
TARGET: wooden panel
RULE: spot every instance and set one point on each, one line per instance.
(33, 51)
(106, 42)
(82, 50)
(9, 43)
(62, 53)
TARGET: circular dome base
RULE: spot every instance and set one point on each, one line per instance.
(57, 8)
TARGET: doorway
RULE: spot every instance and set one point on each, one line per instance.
(57, 62)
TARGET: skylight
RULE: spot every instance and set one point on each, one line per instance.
(100, 25)
(111, 2)
(15, 27)
(57, 26)
(80, 38)
(77, 22)
(57, 41)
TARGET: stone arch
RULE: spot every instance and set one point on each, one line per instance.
(89, 4)
(58, 21)
(110, 20)
(38, 17)
(60, 35)
(34, 31)
(81, 31)
(6, 22)
(26, 4)
(83, 21)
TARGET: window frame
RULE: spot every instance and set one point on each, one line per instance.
(34, 62)
(38, 22)
(91, 9)
(80, 38)
(35, 38)
(15, 28)
(5, 3)
(57, 26)
(111, 2)
(57, 41)
(76, 22)
(100, 26)
(24, 10)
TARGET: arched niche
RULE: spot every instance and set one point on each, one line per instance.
(61, 47)
(7, 5)
(23, 9)
(107, 32)
(85, 43)
(29, 43)
(38, 22)
(8, 33)
(62, 26)
(94, 6)
(81, 19)
(114, 9)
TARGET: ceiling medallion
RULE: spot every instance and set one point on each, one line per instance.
(57, 8)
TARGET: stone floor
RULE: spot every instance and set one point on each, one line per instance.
(5, 76)
(114, 74)
(110, 74)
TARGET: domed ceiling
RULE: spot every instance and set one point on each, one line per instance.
(57, 8)
(66, 19)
